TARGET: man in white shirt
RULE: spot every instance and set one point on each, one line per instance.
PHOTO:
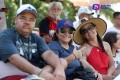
(83, 13)
(116, 19)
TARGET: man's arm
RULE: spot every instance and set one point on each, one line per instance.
(51, 58)
(23, 64)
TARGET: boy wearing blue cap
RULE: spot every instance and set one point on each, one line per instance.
(62, 46)
(23, 49)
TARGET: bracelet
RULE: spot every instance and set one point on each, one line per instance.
(38, 74)
(74, 55)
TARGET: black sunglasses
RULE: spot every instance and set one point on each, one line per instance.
(85, 30)
(63, 30)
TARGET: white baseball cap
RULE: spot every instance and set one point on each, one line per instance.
(27, 8)
(84, 9)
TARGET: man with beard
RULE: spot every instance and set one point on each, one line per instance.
(47, 26)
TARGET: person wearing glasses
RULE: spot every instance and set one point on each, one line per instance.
(113, 38)
(84, 13)
(47, 26)
(98, 53)
(21, 50)
(62, 46)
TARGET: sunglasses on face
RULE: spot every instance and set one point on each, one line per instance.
(85, 30)
(69, 31)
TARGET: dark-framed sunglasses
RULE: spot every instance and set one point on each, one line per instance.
(69, 31)
(85, 30)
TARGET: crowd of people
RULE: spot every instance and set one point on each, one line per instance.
(53, 55)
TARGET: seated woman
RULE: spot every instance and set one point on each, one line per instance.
(62, 46)
(113, 38)
(98, 53)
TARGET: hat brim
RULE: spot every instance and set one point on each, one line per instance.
(101, 27)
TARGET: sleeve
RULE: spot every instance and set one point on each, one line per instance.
(41, 44)
(54, 47)
(7, 47)
(44, 27)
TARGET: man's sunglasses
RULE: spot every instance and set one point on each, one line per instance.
(85, 30)
(63, 30)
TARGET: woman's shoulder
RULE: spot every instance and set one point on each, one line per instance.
(106, 44)
(54, 43)
(85, 45)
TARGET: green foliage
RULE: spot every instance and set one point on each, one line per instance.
(42, 8)
(108, 13)
(11, 12)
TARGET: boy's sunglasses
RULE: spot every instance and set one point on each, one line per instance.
(85, 30)
(69, 31)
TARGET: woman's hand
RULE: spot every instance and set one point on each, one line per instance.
(78, 53)
(59, 73)
(107, 77)
(98, 76)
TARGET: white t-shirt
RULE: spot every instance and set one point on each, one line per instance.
(113, 29)
(76, 24)
(117, 59)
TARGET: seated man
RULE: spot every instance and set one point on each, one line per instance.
(23, 49)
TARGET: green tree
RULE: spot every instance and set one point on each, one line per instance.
(108, 13)
(68, 12)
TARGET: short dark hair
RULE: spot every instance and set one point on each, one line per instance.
(110, 37)
(116, 14)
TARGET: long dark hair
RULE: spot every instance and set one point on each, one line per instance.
(55, 37)
(100, 42)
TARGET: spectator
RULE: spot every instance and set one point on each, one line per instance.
(98, 53)
(116, 19)
(83, 13)
(47, 26)
(62, 46)
(113, 38)
(24, 49)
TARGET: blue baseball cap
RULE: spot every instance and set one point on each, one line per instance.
(65, 23)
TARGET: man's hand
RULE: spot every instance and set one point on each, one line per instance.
(47, 76)
(59, 73)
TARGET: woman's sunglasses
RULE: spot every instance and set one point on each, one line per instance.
(85, 30)
(69, 31)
